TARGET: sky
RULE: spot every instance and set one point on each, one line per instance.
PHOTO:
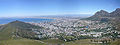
(9, 8)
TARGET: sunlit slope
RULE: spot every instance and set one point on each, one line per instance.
(10, 29)
(21, 42)
(117, 42)
(76, 42)
(8, 34)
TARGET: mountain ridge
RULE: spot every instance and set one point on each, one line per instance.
(104, 15)
(17, 29)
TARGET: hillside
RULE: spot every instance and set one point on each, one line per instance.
(18, 28)
(14, 33)
(20, 24)
(17, 33)
(105, 16)
(115, 13)
(6, 32)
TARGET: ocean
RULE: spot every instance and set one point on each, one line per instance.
(35, 20)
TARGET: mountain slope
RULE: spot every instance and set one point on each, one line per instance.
(9, 34)
(21, 42)
(19, 24)
(99, 15)
(115, 13)
(105, 16)
(17, 28)
(6, 32)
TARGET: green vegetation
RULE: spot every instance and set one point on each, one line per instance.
(81, 42)
(17, 28)
(23, 25)
(77, 42)
(68, 38)
(21, 42)
(8, 36)
(7, 32)
(53, 41)
(117, 42)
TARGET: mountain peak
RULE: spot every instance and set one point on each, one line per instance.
(100, 15)
(17, 21)
(116, 13)
(20, 24)
(102, 11)
(118, 9)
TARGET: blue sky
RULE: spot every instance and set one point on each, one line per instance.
(9, 8)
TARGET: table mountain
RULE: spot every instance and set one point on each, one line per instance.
(115, 13)
(105, 16)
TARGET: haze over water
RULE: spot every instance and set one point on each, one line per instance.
(36, 20)
(12, 8)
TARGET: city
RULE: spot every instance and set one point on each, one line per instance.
(59, 22)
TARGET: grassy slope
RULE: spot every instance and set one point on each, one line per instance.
(81, 42)
(6, 33)
(77, 42)
(21, 42)
(117, 42)
(7, 39)
(53, 41)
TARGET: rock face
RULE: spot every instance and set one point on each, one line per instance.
(105, 16)
(115, 13)
(101, 13)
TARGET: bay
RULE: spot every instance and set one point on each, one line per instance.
(35, 20)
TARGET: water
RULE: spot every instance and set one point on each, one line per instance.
(36, 20)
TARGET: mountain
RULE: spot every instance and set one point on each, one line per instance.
(99, 15)
(20, 24)
(105, 16)
(115, 13)
(17, 29)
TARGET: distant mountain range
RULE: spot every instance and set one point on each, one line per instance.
(105, 16)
